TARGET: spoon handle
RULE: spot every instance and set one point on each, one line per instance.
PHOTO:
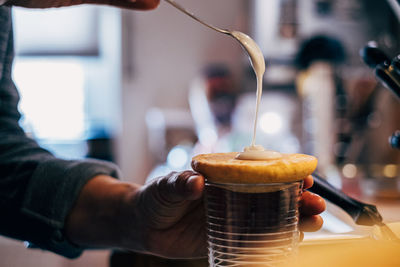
(176, 5)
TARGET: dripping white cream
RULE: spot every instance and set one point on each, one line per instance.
(255, 152)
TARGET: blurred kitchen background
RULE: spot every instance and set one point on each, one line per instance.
(148, 90)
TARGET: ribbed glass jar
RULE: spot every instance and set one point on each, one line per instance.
(252, 224)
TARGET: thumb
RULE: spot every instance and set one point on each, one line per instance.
(180, 186)
(166, 200)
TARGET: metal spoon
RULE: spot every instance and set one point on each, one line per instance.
(252, 49)
(248, 44)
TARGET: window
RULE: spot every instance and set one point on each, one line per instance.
(52, 97)
(67, 74)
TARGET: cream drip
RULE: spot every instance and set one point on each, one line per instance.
(255, 152)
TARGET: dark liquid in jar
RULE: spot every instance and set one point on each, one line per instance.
(250, 229)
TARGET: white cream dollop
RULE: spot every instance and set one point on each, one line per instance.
(257, 152)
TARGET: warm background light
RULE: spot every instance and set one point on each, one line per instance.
(390, 170)
(349, 170)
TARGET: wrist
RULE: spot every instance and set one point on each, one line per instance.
(97, 218)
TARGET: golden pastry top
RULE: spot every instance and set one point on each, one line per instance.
(225, 168)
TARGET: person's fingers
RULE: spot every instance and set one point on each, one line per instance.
(310, 223)
(144, 4)
(180, 186)
(308, 182)
(42, 3)
(129, 4)
(187, 238)
(311, 204)
(165, 200)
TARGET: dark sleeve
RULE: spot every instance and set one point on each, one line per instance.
(37, 190)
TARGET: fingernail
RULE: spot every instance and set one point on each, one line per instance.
(193, 187)
(191, 182)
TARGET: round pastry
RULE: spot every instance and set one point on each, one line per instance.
(226, 168)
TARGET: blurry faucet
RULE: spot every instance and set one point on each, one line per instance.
(386, 70)
(388, 73)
